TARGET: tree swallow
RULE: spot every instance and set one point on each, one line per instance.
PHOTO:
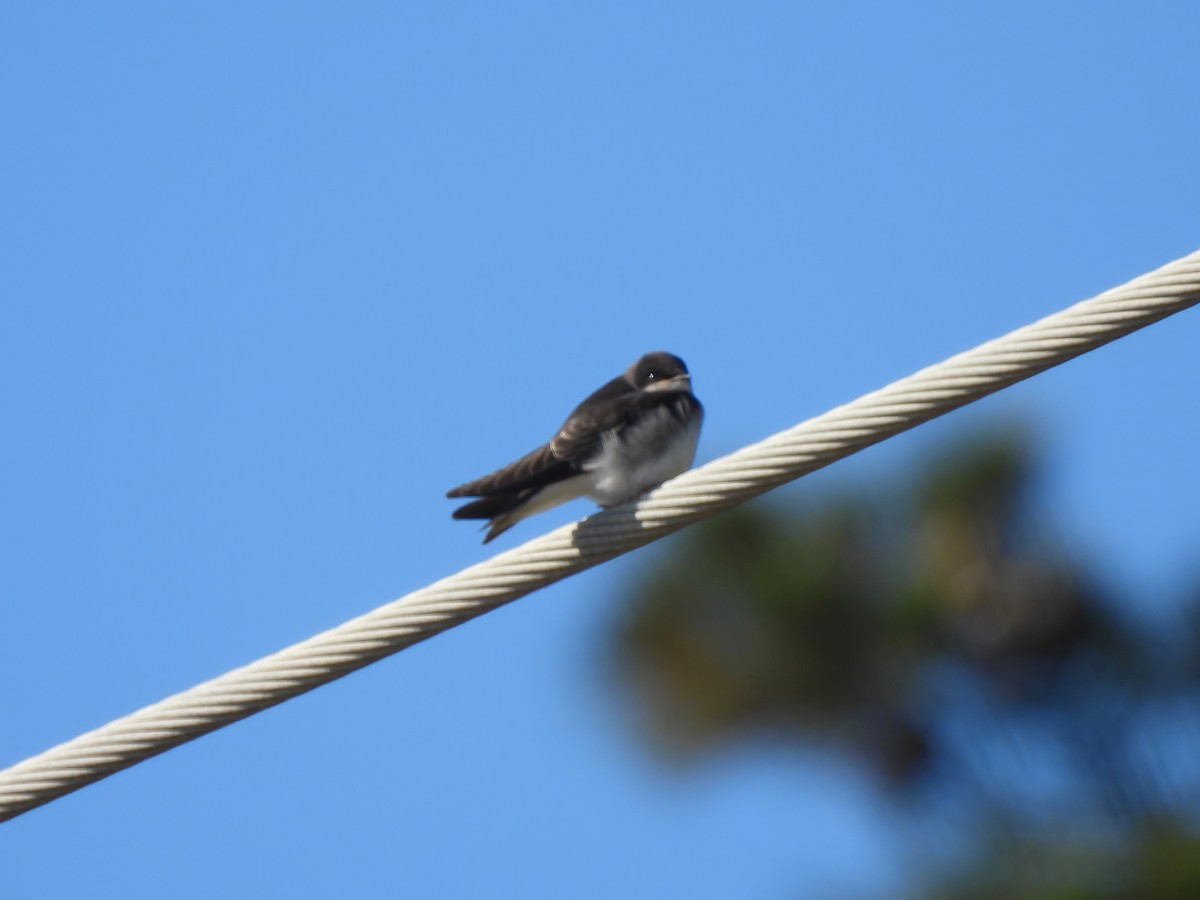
(628, 437)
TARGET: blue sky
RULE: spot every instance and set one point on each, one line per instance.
(277, 275)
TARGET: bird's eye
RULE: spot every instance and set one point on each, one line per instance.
(650, 376)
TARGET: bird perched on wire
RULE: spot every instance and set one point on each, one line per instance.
(627, 437)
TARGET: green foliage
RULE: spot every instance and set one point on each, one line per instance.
(890, 624)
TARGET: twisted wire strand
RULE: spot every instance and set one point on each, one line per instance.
(720, 484)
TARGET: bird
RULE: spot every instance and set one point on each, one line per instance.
(625, 438)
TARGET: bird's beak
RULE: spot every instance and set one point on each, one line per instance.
(674, 383)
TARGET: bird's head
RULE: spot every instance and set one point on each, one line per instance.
(659, 371)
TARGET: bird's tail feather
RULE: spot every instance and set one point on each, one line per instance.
(489, 507)
(499, 509)
(504, 509)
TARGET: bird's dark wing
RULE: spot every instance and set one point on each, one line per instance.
(609, 409)
(535, 469)
(580, 436)
(559, 459)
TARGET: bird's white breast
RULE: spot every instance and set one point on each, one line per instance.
(642, 457)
